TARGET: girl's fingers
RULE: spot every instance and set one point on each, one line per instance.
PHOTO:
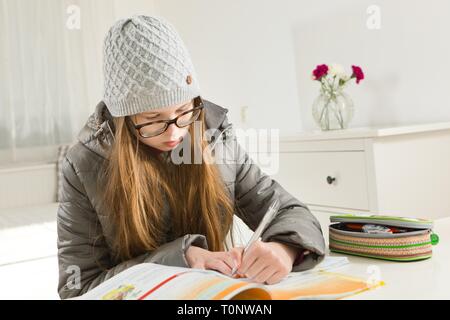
(226, 257)
(265, 274)
(248, 259)
(236, 254)
(218, 265)
(274, 278)
(255, 269)
(247, 262)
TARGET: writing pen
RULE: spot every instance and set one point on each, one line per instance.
(273, 209)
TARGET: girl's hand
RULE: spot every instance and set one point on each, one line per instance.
(222, 261)
(265, 262)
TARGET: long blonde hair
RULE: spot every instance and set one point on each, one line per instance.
(139, 183)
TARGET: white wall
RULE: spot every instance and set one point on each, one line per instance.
(260, 53)
(127, 8)
(242, 55)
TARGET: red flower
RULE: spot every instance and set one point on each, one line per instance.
(320, 71)
(357, 73)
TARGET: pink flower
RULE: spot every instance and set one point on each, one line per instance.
(357, 73)
(320, 71)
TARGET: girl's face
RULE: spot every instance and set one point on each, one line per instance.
(170, 138)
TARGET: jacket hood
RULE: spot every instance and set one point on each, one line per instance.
(98, 132)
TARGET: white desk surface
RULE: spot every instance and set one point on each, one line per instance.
(363, 132)
(426, 279)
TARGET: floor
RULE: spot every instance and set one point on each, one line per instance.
(28, 261)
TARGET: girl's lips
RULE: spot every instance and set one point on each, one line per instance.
(172, 143)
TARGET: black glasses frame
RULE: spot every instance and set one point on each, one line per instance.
(138, 127)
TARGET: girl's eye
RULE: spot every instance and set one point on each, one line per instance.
(152, 117)
(157, 118)
(182, 110)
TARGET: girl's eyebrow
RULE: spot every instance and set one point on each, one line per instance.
(153, 114)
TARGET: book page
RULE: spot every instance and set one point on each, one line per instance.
(322, 282)
(317, 285)
(154, 281)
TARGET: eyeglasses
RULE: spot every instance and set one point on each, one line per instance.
(155, 128)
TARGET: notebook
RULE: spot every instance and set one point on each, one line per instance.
(149, 281)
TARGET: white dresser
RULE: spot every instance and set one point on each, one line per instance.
(392, 171)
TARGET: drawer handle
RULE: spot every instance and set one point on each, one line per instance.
(330, 180)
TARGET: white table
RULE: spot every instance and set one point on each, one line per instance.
(426, 279)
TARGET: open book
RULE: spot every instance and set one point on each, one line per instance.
(154, 281)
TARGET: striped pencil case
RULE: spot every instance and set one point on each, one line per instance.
(382, 237)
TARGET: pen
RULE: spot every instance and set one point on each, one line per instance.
(273, 209)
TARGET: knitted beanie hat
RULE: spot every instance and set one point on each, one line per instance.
(146, 66)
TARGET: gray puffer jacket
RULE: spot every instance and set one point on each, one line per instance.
(85, 232)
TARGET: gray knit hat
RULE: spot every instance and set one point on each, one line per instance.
(146, 66)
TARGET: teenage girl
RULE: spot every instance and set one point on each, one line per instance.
(135, 188)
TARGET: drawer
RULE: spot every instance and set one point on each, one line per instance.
(305, 175)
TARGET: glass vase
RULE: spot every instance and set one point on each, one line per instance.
(333, 110)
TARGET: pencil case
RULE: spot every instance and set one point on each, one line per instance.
(408, 239)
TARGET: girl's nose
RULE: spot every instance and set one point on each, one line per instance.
(173, 131)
